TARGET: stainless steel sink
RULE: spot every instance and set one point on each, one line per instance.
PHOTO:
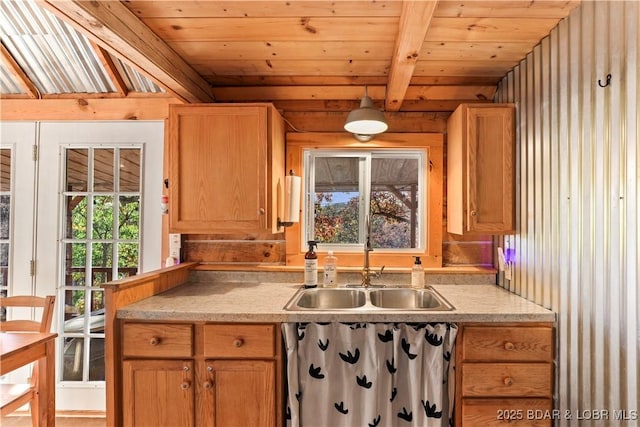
(408, 299)
(354, 299)
(328, 299)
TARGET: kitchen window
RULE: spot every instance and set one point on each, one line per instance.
(395, 180)
(384, 189)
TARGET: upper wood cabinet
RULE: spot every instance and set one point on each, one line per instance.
(480, 169)
(226, 162)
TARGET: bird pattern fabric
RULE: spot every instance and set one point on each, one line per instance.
(369, 374)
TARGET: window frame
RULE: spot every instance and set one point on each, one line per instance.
(431, 143)
(365, 159)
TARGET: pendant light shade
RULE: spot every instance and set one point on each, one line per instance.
(366, 121)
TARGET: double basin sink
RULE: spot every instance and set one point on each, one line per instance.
(353, 299)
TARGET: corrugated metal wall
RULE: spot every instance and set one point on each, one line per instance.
(578, 207)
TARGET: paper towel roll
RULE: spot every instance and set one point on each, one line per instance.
(292, 198)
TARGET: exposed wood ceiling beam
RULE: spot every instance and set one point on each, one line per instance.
(130, 108)
(16, 71)
(111, 69)
(415, 19)
(114, 27)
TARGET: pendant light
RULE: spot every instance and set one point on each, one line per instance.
(367, 121)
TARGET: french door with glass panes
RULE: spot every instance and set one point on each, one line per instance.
(101, 193)
(93, 219)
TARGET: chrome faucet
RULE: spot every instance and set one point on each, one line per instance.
(368, 247)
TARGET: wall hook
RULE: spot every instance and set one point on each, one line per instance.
(607, 83)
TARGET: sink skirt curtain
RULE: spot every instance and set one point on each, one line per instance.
(369, 374)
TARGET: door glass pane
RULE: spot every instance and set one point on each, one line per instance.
(73, 359)
(103, 178)
(127, 259)
(129, 170)
(102, 262)
(337, 199)
(5, 216)
(74, 311)
(75, 257)
(5, 170)
(129, 217)
(77, 176)
(102, 223)
(4, 265)
(77, 214)
(96, 359)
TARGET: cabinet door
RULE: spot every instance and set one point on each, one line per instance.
(218, 169)
(158, 393)
(240, 393)
(480, 169)
(490, 170)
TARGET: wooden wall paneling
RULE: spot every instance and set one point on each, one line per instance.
(478, 253)
(398, 122)
(235, 251)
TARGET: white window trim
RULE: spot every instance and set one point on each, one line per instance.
(308, 216)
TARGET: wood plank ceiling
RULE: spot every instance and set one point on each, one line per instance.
(318, 55)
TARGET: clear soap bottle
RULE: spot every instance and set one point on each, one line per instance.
(417, 274)
(330, 270)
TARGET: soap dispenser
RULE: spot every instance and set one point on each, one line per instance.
(330, 270)
(417, 274)
(311, 266)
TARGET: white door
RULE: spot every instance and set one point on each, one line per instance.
(96, 218)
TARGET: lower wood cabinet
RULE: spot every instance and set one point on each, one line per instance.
(504, 374)
(184, 374)
(240, 393)
(158, 392)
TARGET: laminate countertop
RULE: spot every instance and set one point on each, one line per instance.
(264, 302)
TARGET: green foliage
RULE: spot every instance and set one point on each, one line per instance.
(338, 223)
(103, 230)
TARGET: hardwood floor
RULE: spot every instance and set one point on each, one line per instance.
(21, 420)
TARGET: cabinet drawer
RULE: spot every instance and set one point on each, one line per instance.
(513, 412)
(507, 379)
(244, 341)
(157, 340)
(509, 344)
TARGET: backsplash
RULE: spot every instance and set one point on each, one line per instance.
(350, 277)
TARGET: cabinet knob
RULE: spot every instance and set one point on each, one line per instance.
(509, 346)
(261, 211)
(474, 213)
(208, 385)
(508, 381)
(185, 385)
(238, 342)
(155, 340)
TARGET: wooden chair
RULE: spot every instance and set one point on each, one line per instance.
(14, 396)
